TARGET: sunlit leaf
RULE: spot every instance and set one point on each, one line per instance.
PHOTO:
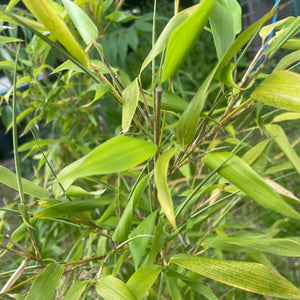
(252, 277)
(163, 192)
(110, 287)
(130, 101)
(141, 281)
(45, 284)
(244, 177)
(8, 39)
(101, 90)
(115, 155)
(280, 138)
(280, 89)
(183, 39)
(9, 178)
(251, 155)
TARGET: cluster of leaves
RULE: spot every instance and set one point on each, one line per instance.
(134, 189)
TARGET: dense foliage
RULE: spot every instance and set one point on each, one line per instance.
(160, 166)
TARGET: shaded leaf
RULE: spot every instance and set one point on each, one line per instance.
(163, 192)
(120, 16)
(110, 287)
(252, 277)
(244, 177)
(45, 284)
(115, 155)
(76, 290)
(142, 280)
(251, 155)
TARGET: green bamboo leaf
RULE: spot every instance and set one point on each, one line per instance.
(115, 155)
(283, 247)
(254, 153)
(120, 16)
(76, 290)
(201, 289)
(161, 42)
(288, 60)
(252, 277)
(12, 4)
(123, 228)
(68, 208)
(101, 90)
(292, 44)
(222, 26)
(45, 284)
(143, 234)
(110, 287)
(244, 177)
(85, 26)
(184, 37)
(8, 39)
(163, 192)
(77, 191)
(286, 117)
(142, 280)
(9, 178)
(48, 17)
(277, 134)
(280, 89)
(130, 101)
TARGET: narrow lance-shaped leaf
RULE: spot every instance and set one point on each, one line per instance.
(76, 290)
(142, 280)
(183, 38)
(252, 277)
(163, 192)
(110, 287)
(130, 101)
(280, 89)
(115, 155)
(48, 17)
(45, 284)
(84, 25)
(279, 137)
(244, 177)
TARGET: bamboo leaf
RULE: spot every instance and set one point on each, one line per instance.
(280, 89)
(163, 192)
(277, 134)
(283, 247)
(110, 287)
(288, 60)
(141, 281)
(130, 101)
(161, 42)
(183, 39)
(8, 39)
(252, 277)
(9, 178)
(85, 26)
(52, 22)
(76, 290)
(286, 117)
(244, 177)
(45, 284)
(254, 153)
(115, 155)
(68, 208)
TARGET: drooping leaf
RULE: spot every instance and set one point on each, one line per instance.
(183, 39)
(84, 25)
(45, 284)
(283, 247)
(52, 22)
(139, 244)
(280, 89)
(163, 192)
(277, 134)
(67, 208)
(244, 177)
(130, 101)
(110, 287)
(141, 281)
(9, 178)
(252, 277)
(115, 155)
(76, 290)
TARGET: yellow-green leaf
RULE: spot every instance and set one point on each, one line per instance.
(235, 170)
(252, 277)
(163, 192)
(280, 89)
(52, 22)
(183, 38)
(277, 134)
(130, 101)
(76, 290)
